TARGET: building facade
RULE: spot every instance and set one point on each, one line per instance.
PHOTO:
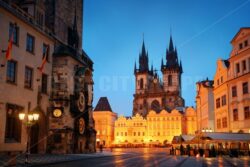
(239, 81)
(104, 119)
(205, 105)
(151, 93)
(221, 107)
(158, 128)
(23, 87)
(61, 92)
(231, 90)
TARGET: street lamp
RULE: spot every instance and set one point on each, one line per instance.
(32, 118)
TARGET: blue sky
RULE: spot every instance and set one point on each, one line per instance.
(113, 32)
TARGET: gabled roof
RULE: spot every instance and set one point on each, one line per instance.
(103, 105)
(238, 33)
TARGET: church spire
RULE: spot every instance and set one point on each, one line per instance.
(171, 55)
(171, 45)
(181, 70)
(162, 64)
(143, 59)
(135, 68)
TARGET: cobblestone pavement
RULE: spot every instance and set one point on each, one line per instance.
(148, 157)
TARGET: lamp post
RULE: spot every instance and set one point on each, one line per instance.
(31, 119)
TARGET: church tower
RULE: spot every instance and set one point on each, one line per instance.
(172, 70)
(142, 74)
(151, 93)
(142, 78)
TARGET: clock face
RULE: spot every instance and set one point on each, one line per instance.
(81, 102)
(57, 113)
(81, 126)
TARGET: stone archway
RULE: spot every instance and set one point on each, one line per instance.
(155, 105)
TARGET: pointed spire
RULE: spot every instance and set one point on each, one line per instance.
(162, 64)
(171, 45)
(135, 67)
(181, 70)
(143, 59)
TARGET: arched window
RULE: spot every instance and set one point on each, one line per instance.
(170, 80)
(141, 83)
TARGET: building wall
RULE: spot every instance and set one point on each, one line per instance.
(16, 93)
(156, 128)
(220, 90)
(105, 127)
(204, 105)
(234, 74)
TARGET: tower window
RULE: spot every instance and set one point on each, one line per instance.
(170, 80)
(141, 83)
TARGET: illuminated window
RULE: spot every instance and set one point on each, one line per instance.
(245, 88)
(218, 103)
(224, 122)
(234, 91)
(246, 112)
(235, 114)
(223, 100)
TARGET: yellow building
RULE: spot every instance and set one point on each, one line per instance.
(155, 129)
(231, 88)
(220, 92)
(205, 105)
(239, 81)
(104, 119)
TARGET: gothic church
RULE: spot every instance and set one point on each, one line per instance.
(154, 93)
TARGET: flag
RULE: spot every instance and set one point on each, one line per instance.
(9, 49)
(44, 60)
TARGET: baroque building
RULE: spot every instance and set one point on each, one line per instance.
(205, 105)
(153, 93)
(61, 92)
(157, 128)
(104, 118)
(232, 78)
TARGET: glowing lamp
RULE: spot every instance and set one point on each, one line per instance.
(30, 117)
(21, 116)
(35, 116)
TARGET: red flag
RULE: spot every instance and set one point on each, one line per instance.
(44, 60)
(9, 49)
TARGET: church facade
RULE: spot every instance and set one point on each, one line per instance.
(153, 92)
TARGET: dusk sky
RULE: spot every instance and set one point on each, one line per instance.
(113, 33)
